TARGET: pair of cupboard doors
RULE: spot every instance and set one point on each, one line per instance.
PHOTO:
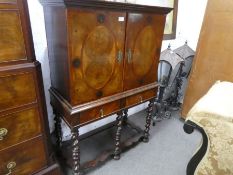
(111, 51)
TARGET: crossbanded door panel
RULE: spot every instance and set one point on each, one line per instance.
(96, 51)
(144, 35)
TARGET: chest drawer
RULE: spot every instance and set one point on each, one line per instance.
(140, 98)
(98, 112)
(18, 127)
(12, 46)
(16, 90)
(23, 159)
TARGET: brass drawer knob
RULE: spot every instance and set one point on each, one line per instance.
(101, 113)
(3, 132)
(10, 166)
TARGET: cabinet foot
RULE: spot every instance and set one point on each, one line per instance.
(118, 136)
(75, 152)
(148, 121)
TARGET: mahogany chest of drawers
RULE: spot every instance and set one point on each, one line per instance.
(24, 133)
(103, 60)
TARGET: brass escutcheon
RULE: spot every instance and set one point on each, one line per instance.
(101, 112)
(10, 166)
(3, 132)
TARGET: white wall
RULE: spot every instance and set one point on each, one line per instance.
(189, 21)
(190, 16)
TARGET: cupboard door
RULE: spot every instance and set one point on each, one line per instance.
(96, 48)
(144, 35)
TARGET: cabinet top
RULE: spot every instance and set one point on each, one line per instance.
(122, 5)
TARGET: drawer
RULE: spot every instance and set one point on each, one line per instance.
(140, 98)
(12, 47)
(16, 90)
(99, 112)
(26, 158)
(18, 127)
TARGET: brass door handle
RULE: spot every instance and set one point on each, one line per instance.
(3, 132)
(10, 166)
(101, 112)
(119, 56)
(129, 55)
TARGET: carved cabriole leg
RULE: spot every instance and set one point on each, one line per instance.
(75, 151)
(125, 117)
(189, 127)
(58, 129)
(148, 121)
(118, 136)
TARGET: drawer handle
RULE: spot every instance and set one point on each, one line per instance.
(129, 55)
(141, 99)
(101, 112)
(119, 56)
(10, 166)
(3, 132)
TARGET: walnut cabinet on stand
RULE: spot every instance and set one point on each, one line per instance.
(103, 60)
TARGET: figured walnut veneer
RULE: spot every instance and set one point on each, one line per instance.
(96, 45)
(24, 133)
(21, 126)
(29, 157)
(12, 43)
(16, 90)
(103, 59)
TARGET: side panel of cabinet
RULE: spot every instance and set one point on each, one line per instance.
(143, 44)
(56, 32)
(96, 48)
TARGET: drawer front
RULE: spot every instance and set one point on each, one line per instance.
(99, 112)
(12, 46)
(16, 90)
(140, 98)
(18, 127)
(24, 159)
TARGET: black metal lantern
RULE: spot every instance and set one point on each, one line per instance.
(187, 54)
(168, 63)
